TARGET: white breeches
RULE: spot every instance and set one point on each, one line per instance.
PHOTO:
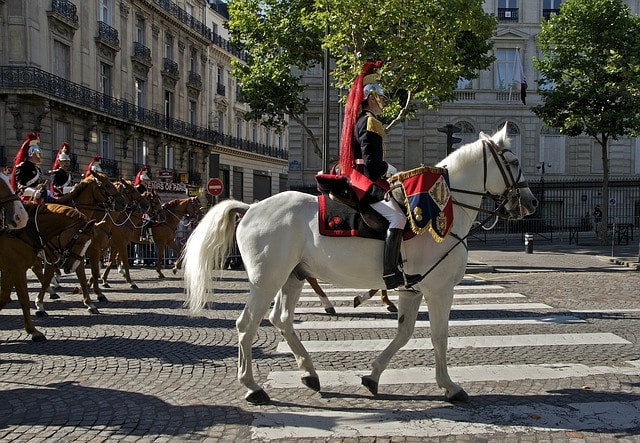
(392, 212)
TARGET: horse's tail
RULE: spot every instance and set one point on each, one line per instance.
(206, 250)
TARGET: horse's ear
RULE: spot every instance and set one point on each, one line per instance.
(500, 137)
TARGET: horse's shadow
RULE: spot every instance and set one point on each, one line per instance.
(122, 411)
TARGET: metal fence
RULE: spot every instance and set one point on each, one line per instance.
(566, 210)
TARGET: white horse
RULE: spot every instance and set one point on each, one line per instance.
(13, 215)
(280, 245)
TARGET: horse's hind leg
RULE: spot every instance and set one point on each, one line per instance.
(326, 303)
(86, 298)
(282, 318)
(247, 325)
(408, 307)
(45, 281)
(20, 280)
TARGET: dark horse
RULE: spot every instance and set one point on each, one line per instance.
(61, 233)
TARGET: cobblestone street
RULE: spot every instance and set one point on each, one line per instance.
(145, 370)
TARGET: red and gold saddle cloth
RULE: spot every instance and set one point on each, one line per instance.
(427, 199)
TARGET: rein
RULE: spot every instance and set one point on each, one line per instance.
(62, 253)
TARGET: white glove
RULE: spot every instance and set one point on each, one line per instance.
(390, 170)
(37, 195)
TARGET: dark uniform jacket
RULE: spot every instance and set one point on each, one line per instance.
(59, 179)
(28, 175)
(368, 154)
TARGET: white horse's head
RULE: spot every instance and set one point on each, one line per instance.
(509, 184)
(13, 215)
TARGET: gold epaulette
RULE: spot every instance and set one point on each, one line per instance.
(375, 125)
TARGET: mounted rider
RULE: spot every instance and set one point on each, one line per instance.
(26, 177)
(93, 166)
(362, 160)
(140, 183)
(61, 178)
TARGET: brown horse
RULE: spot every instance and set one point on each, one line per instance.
(125, 228)
(99, 199)
(12, 212)
(60, 232)
(164, 233)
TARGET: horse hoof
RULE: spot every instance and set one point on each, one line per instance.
(392, 308)
(370, 384)
(356, 301)
(102, 298)
(331, 311)
(459, 397)
(258, 398)
(311, 383)
(161, 275)
(54, 296)
(38, 337)
(76, 290)
(133, 286)
(106, 285)
(175, 271)
(41, 314)
(93, 310)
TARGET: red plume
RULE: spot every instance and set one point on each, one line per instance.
(351, 112)
(22, 155)
(87, 173)
(136, 182)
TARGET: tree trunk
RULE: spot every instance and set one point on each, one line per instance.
(604, 226)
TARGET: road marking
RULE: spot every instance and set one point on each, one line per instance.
(330, 423)
(480, 341)
(376, 308)
(389, 323)
(394, 297)
(461, 374)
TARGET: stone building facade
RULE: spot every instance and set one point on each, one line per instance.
(136, 82)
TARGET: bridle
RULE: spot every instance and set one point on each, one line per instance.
(106, 206)
(55, 253)
(512, 184)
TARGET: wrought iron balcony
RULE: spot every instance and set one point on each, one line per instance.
(110, 167)
(508, 14)
(546, 13)
(66, 10)
(108, 35)
(32, 80)
(194, 80)
(141, 53)
(170, 67)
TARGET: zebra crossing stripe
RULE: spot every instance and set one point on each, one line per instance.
(392, 324)
(480, 341)
(462, 374)
(463, 287)
(331, 423)
(395, 297)
(377, 308)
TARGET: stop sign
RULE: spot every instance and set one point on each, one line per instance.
(214, 186)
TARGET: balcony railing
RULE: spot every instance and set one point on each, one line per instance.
(108, 34)
(194, 80)
(546, 13)
(66, 9)
(507, 14)
(33, 79)
(170, 67)
(110, 167)
(141, 52)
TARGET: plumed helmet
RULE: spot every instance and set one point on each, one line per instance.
(142, 176)
(29, 147)
(368, 76)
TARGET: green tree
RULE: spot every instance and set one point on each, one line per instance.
(425, 45)
(590, 82)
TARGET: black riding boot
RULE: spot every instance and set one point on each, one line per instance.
(144, 230)
(394, 277)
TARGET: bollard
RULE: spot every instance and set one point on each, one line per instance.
(528, 243)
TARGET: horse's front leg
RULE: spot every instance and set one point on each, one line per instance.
(45, 281)
(86, 298)
(282, 318)
(94, 254)
(408, 306)
(247, 325)
(20, 281)
(439, 311)
(160, 252)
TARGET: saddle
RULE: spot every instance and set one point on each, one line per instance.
(423, 193)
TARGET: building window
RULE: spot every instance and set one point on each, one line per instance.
(238, 128)
(168, 157)
(139, 30)
(139, 98)
(505, 66)
(463, 83)
(508, 10)
(550, 7)
(61, 60)
(61, 133)
(220, 122)
(193, 115)
(106, 145)
(105, 78)
(168, 104)
(106, 11)
(141, 152)
(168, 45)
